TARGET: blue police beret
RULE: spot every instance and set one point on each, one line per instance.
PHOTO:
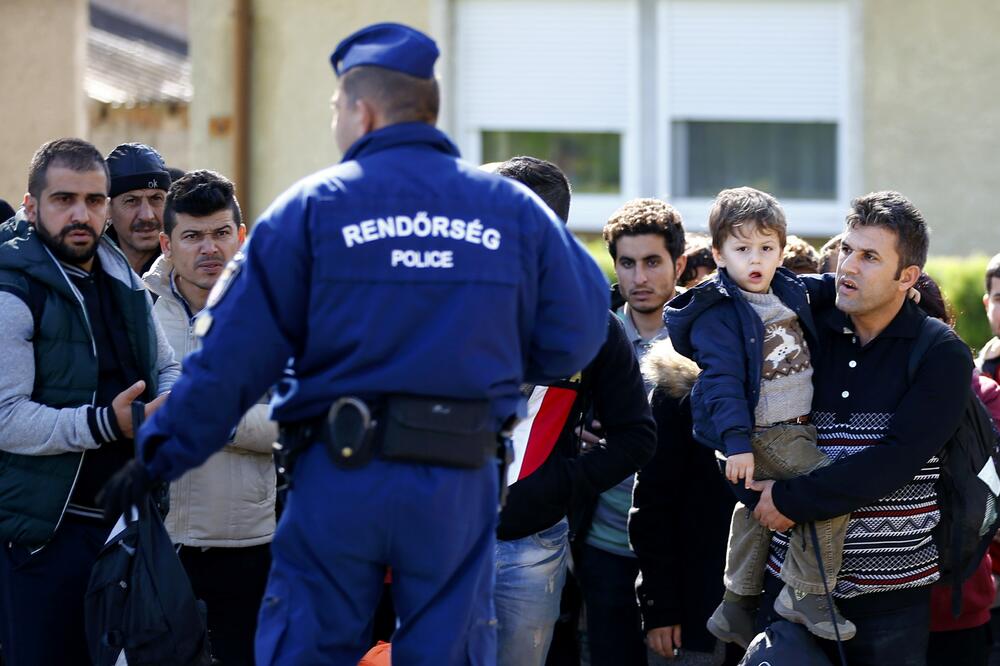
(389, 45)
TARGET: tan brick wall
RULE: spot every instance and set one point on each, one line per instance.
(932, 114)
(163, 126)
(292, 83)
(42, 50)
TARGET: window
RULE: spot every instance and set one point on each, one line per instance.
(591, 160)
(789, 160)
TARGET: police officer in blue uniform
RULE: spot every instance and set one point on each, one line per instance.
(401, 298)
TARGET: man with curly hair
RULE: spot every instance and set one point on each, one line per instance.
(646, 240)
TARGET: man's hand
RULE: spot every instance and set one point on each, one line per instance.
(665, 640)
(587, 437)
(740, 466)
(126, 488)
(122, 407)
(766, 513)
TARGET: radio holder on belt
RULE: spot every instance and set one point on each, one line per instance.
(436, 431)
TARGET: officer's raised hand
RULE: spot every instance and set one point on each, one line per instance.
(122, 407)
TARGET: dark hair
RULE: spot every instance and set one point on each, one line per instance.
(401, 97)
(739, 205)
(75, 154)
(895, 212)
(543, 178)
(646, 216)
(932, 301)
(829, 253)
(175, 173)
(199, 194)
(992, 270)
(699, 255)
(800, 256)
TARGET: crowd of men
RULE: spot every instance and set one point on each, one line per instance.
(430, 338)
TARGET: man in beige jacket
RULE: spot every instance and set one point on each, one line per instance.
(222, 514)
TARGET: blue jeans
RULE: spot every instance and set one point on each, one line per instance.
(436, 528)
(530, 577)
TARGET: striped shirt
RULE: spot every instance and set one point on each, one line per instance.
(883, 433)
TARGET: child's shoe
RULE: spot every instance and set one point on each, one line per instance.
(813, 611)
(733, 622)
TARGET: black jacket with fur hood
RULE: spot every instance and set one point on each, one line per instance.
(681, 509)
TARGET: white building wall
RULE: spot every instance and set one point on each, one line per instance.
(573, 65)
(761, 60)
(560, 65)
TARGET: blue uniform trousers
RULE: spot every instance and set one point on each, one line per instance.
(434, 526)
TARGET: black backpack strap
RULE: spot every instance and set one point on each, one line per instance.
(932, 331)
(829, 594)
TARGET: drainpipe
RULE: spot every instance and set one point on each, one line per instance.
(241, 103)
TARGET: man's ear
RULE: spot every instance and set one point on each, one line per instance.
(30, 204)
(165, 244)
(986, 301)
(679, 265)
(370, 117)
(241, 234)
(908, 277)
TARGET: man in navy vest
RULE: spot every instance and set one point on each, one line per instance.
(402, 297)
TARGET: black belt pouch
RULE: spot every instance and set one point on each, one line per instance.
(438, 431)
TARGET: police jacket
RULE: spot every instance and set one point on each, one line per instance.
(715, 326)
(50, 378)
(400, 270)
(227, 502)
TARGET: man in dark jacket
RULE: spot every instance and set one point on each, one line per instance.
(487, 290)
(80, 343)
(549, 472)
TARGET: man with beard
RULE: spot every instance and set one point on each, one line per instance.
(80, 344)
(646, 240)
(222, 513)
(139, 184)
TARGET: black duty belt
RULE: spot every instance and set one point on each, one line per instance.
(435, 431)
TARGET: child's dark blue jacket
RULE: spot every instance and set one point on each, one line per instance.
(714, 325)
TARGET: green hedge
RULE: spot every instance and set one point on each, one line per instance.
(599, 251)
(961, 279)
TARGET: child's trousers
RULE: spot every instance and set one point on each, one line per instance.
(782, 452)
